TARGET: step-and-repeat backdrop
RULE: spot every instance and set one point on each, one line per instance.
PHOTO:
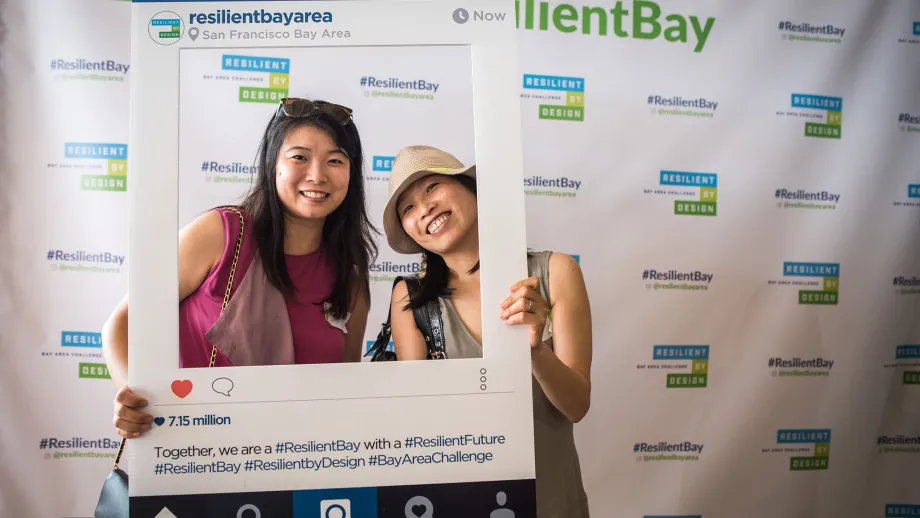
(740, 183)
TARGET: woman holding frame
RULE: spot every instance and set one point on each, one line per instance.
(432, 209)
(282, 277)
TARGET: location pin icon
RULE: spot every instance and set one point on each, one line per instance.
(193, 33)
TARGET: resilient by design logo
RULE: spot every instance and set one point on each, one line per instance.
(805, 31)
(914, 35)
(688, 365)
(558, 98)
(82, 69)
(707, 193)
(799, 367)
(81, 345)
(909, 122)
(81, 261)
(913, 196)
(902, 510)
(228, 172)
(108, 164)
(898, 444)
(676, 280)
(381, 165)
(165, 28)
(396, 88)
(267, 79)
(818, 108)
(78, 448)
(642, 22)
(803, 199)
(677, 105)
(813, 457)
(667, 451)
(387, 271)
(824, 291)
(907, 357)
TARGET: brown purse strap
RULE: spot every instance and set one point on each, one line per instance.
(236, 258)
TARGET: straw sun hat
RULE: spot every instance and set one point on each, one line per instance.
(410, 164)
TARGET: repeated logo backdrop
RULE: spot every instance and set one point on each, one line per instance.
(753, 262)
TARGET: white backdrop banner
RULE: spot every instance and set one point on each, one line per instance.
(739, 182)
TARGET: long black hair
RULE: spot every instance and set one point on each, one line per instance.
(434, 284)
(347, 231)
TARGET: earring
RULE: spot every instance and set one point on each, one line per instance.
(424, 266)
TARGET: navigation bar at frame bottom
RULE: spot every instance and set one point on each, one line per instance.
(497, 499)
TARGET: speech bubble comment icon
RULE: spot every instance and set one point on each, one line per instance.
(222, 386)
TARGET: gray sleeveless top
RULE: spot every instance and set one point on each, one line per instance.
(560, 491)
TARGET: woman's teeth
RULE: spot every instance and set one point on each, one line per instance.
(314, 195)
(436, 224)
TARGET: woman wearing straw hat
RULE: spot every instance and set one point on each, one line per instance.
(432, 209)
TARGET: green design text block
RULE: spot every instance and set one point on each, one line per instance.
(813, 129)
(808, 463)
(818, 297)
(251, 94)
(562, 113)
(169, 34)
(93, 182)
(694, 208)
(97, 371)
(687, 380)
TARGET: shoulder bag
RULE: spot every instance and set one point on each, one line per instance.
(427, 319)
(113, 500)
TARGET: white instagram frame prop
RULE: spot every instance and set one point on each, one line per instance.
(352, 401)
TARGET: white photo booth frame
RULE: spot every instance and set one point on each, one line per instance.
(351, 401)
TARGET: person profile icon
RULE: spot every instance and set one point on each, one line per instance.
(501, 498)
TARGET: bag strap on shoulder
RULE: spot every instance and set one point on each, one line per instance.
(427, 319)
(223, 306)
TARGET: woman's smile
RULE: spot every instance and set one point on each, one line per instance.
(438, 223)
(314, 196)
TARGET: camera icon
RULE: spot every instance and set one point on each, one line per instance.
(335, 508)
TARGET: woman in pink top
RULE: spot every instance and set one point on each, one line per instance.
(300, 291)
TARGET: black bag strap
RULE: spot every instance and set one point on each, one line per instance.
(427, 319)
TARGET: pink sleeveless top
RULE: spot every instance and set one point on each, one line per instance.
(260, 326)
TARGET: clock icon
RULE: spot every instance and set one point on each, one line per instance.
(461, 15)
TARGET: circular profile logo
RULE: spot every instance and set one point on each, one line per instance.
(165, 28)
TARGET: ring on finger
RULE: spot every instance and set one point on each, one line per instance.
(529, 305)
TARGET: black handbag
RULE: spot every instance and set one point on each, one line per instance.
(113, 499)
(427, 319)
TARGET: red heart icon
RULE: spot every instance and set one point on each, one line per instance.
(181, 388)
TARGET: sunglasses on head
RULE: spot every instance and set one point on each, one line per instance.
(295, 107)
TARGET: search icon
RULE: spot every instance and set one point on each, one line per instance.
(249, 507)
(222, 386)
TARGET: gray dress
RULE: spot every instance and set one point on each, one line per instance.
(560, 492)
